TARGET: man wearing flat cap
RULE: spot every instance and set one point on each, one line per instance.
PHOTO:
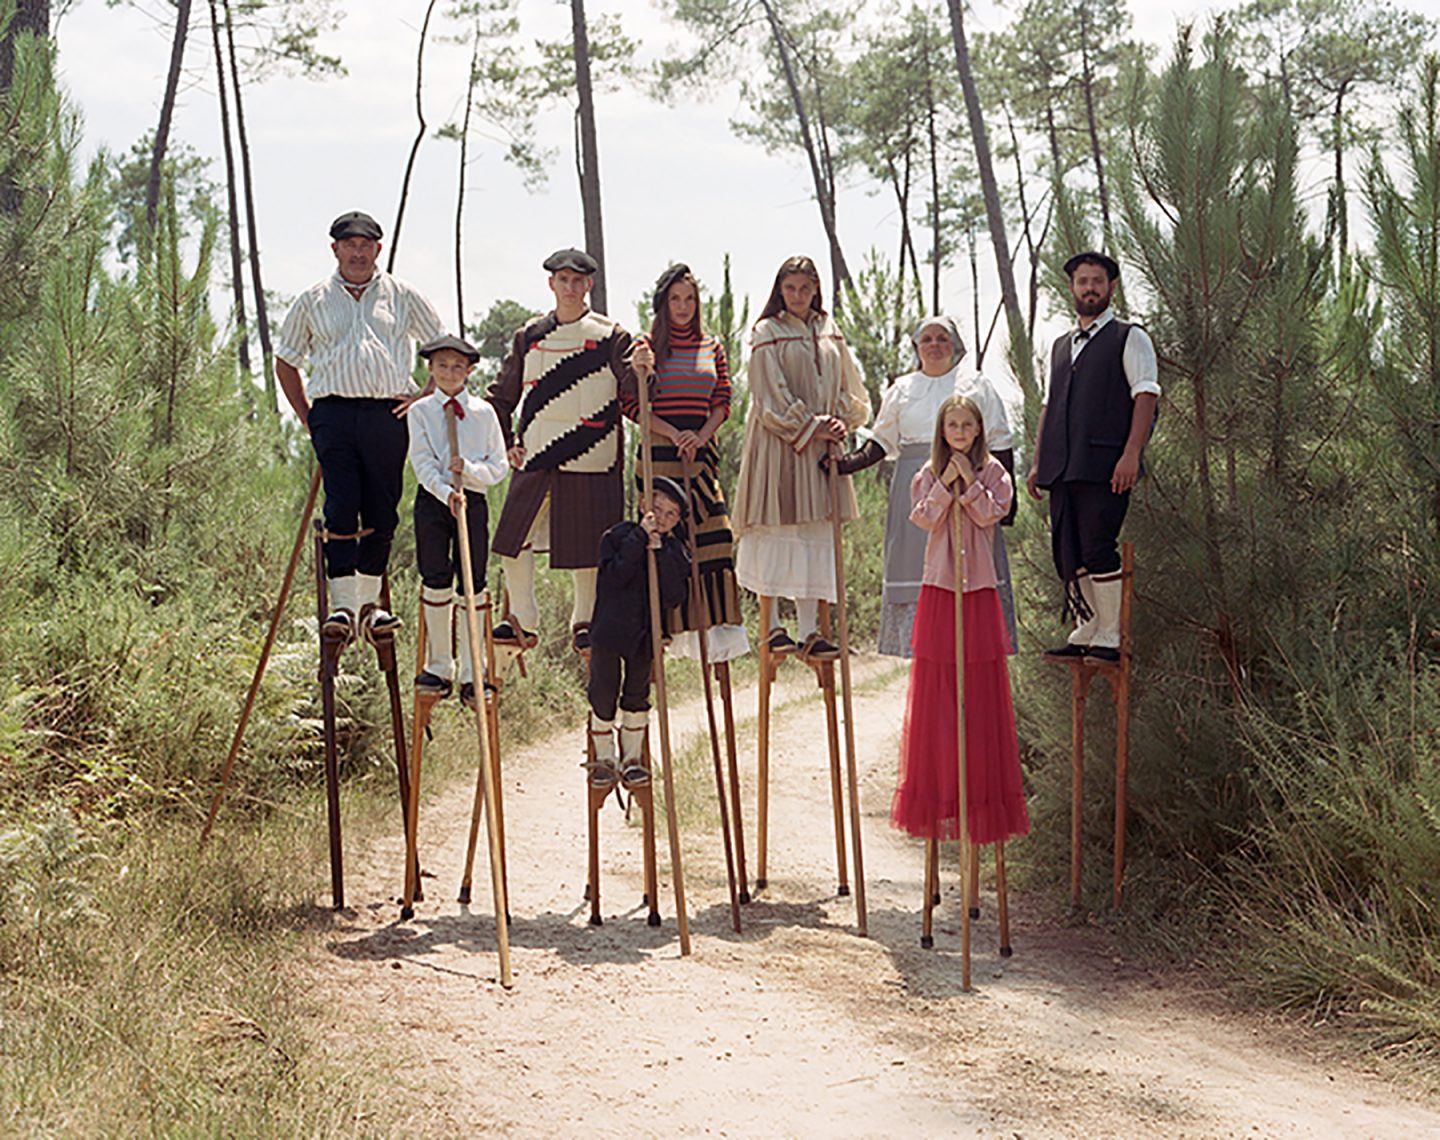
(357, 330)
(1099, 409)
(557, 396)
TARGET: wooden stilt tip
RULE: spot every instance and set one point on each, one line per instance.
(744, 897)
(407, 913)
(1006, 951)
(652, 919)
(761, 884)
(843, 890)
(935, 899)
(464, 895)
(927, 942)
(596, 920)
(974, 912)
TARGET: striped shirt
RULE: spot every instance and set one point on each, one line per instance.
(689, 384)
(358, 348)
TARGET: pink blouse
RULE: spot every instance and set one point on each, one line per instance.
(985, 501)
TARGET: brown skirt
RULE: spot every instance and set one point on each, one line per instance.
(583, 506)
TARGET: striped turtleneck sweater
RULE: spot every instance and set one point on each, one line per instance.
(689, 384)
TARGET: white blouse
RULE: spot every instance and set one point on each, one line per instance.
(910, 406)
(478, 437)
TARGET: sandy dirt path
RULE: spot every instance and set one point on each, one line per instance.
(797, 1027)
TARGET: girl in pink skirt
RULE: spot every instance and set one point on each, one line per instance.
(960, 469)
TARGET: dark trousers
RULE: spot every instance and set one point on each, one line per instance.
(361, 448)
(605, 684)
(437, 540)
(1085, 521)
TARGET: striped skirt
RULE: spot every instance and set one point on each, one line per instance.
(714, 542)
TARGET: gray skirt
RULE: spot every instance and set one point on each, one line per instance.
(905, 561)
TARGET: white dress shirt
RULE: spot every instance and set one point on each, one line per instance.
(478, 437)
(910, 406)
(361, 348)
(1138, 359)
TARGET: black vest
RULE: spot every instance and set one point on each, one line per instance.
(1087, 415)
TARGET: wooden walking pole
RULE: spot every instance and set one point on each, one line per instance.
(279, 612)
(962, 787)
(657, 657)
(701, 636)
(472, 629)
(492, 724)
(861, 919)
(932, 885)
(727, 699)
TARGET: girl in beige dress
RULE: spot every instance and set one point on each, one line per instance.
(806, 394)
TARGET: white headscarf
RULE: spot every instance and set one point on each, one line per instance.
(952, 330)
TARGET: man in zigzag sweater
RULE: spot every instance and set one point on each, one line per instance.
(562, 376)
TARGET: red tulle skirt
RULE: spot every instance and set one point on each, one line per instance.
(925, 802)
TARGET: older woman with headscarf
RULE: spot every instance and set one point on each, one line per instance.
(904, 430)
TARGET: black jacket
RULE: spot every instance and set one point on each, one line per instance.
(621, 622)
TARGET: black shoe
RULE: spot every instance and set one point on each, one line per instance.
(601, 773)
(634, 774)
(427, 684)
(1068, 652)
(816, 648)
(467, 694)
(580, 637)
(780, 641)
(377, 623)
(510, 633)
(1107, 654)
(339, 624)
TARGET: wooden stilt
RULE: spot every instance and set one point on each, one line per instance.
(932, 879)
(657, 650)
(701, 637)
(386, 658)
(424, 707)
(330, 650)
(972, 897)
(275, 617)
(727, 700)
(1002, 900)
(1121, 690)
(826, 671)
(1080, 686)
(594, 800)
(769, 662)
(485, 780)
(851, 765)
(645, 796)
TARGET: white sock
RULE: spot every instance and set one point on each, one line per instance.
(1084, 631)
(602, 738)
(1107, 611)
(367, 590)
(584, 607)
(807, 617)
(438, 606)
(520, 586)
(632, 734)
(342, 594)
(462, 637)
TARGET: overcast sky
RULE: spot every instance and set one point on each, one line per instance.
(678, 185)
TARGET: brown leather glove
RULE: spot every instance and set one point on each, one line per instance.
(866, 455)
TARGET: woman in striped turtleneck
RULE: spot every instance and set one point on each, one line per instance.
(689, 400)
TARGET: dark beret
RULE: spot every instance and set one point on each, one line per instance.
(667, 486)
(666, 279)
(576, 259)
(355, 224)
(1091, 257)
(454, 343)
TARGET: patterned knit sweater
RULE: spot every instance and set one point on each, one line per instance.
(689, 384)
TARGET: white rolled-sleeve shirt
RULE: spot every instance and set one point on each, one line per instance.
(1141, 370)
(910, 406)
(358, 348)
(479, 440)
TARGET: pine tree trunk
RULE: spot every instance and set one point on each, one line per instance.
(257, 287)
(589, 155)
(237, 274)
(167, 111)
(460, 187)
(936, 237)
(31, 16)
(994, 212)
(1087, 84)
(1337, 124)
(839, 270)
(420, 130)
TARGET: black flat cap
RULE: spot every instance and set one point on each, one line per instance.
(453, 343)
(666, 486)
(1091, 257)
(666, 279)
(576, 259)
(355, 224)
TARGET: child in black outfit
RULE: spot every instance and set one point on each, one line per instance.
(620, 630)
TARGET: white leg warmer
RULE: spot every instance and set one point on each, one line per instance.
(807, 617)
(520, 585)
(602, 739)
(1107, 611)
(1084, 631)
(439, 605)
(632, 734)
(584, 607)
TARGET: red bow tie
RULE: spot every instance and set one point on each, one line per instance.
(452, 402)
